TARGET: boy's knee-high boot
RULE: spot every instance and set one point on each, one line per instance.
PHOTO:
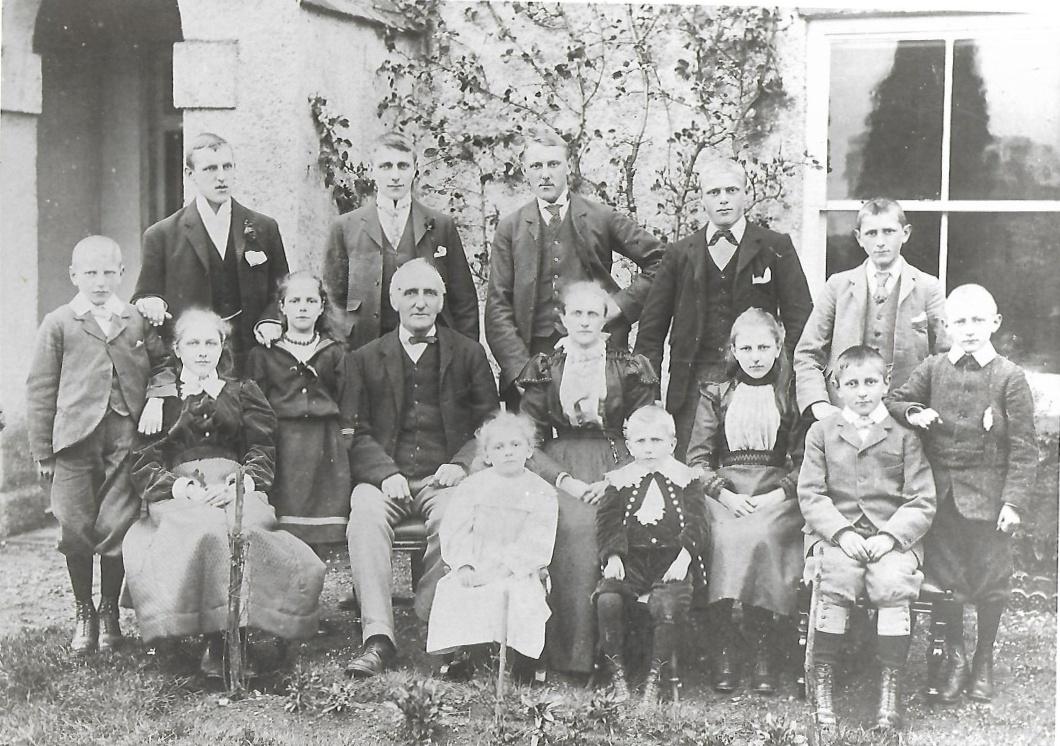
(988, 619)
(610, 619)
(112, 573)
(86, 620)
(955, 668)
(726, 673)
(892, 651)
(764, 675)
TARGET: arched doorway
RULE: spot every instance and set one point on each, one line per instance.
(108, 137)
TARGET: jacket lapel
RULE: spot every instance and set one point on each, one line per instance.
(419, 229)
(849, 433)
(91, 326)
(392, 363)
(372, 226)
(528, 253)
(750, 245)
(445, 354)
(118, 324)
(195, 231)
(579, 210)
(240, 216)
(855, 306)
(877, 434)
(906, 283)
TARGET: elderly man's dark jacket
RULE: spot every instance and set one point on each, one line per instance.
(768, 276)
(515, 270)
(374, 393)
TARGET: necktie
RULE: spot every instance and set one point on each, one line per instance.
(718, 235)
(553, 213)
(968, 361)
(423, 339)
(881, 287)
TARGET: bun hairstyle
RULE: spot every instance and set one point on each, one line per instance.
(751, 318)
(505, 422)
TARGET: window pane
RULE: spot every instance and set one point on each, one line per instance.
(843, 251)
(885, 119)
(1015, 256)
(1006, 119)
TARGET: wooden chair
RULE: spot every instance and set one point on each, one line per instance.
(933, 602)
(410, 537)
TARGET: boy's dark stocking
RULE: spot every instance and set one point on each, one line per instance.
(955, 668)
(611, 622)
(760, 624)
(988, 619)
(719, 622)
(111, 575)
(86, 621)
(893, 625)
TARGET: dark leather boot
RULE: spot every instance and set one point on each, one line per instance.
(888, 715)
(86, 629)
(110, 636)
(824, 710)
(616, 665)
(981, 683)
(764, 675)
(726, 674)
(650, 696)
(956, 673)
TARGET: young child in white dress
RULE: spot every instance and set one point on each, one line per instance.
(496, 539)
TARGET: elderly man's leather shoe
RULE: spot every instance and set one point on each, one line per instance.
(372, 659)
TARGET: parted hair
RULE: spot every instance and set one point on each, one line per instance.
(587, 287)
(544, 136)
(860, 355)
(323, 326)
(882, 206)
(198, 315)
(203, 141)
(650, 415)
(503, 422)
(395, 141)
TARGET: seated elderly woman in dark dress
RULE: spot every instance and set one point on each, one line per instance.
(177, 554)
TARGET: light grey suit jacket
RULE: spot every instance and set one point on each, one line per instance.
(837, 323)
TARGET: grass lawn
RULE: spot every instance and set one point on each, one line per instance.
(137, 696)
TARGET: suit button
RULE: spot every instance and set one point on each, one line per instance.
(206, 434)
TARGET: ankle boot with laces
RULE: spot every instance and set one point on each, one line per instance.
(86, 629)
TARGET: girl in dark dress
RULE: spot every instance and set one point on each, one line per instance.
(177, 554)
(301, 375)
(747, 440)
(579, 396)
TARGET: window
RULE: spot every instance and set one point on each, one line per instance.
(958, 118)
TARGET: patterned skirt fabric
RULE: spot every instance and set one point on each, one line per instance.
(177, 564)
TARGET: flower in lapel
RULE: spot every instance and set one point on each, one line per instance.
(250, 235)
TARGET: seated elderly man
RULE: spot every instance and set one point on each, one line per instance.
(415, 397)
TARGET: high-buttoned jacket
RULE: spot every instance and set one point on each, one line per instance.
(373, 401)
(837, 323)
(353, 271)
(768, 276)
(886, 479)
(515, 270)
(69, 383)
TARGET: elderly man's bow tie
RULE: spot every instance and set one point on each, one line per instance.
(423, 339)
(718, 235)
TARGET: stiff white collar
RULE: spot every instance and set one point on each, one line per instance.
(630, 475)
(81, 305)
(218, 224)
(878, 415)
(737, 229)
(390, 207)
(191, 384)
(983, 355)
(414, 351)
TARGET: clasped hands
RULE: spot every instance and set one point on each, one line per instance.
(216, 495)
(862, 549)
(614, 569)
(584, 491)
(396, 486)
(740, 505)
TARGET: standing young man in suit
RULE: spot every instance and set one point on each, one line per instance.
(366, 246)
(886, 303)
(415, 398)
(708, 279)
(554, 240)
(214, 253)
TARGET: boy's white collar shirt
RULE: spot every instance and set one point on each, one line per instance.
(721, 252)
(984, 355)
(103, 314)
(394, 216)
(894, 274)
(414, 351)
(563, 202)
(218, 224)
(864, 424)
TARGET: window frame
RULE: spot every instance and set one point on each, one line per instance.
(820, 35)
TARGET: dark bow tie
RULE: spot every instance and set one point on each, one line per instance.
(968, 361)
(423, 339)
(718, 235)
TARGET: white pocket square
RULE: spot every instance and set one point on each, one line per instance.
(440, 252)
(254, 258)
(139, 343)
(762, 279)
